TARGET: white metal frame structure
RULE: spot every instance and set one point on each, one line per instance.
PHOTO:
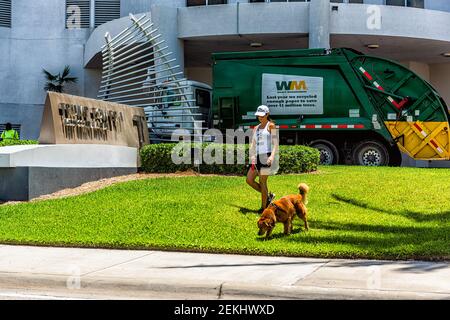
(138, 71)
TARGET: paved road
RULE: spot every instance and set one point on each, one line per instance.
(34, 272)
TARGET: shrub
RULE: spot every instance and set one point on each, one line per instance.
(156, 158)
(6, 143)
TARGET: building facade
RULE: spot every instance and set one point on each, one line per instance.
(49, 34)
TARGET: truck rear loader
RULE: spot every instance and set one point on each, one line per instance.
(355, 108)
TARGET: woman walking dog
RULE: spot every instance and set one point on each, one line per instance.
(263, 155)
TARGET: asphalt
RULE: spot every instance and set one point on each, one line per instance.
(181, 275)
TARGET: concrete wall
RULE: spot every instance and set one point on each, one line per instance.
(166, 20)
(29, 116)
(137, 6)
(440, 79)
(319, 24)
(29, 171)
(422, 69)
(437, 74)
(443, 5)
(140, 6)
(247, 18)
(396, 21)
(92, 82)
(38, 39)
(200, 74)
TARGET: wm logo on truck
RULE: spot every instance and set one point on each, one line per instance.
(292, 85)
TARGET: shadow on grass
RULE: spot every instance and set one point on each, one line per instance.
(383, 241)
(395, 231)
(278, 235)
(244, 210)
(416, 216)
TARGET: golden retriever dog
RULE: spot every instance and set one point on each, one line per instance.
(284, 211)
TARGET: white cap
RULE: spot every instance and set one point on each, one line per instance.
(262, 111)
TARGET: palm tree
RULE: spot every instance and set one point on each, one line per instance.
(56, 82)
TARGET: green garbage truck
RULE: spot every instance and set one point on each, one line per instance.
(356, 109)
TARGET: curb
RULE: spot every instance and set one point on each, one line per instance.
(199, 289)
(320, 293)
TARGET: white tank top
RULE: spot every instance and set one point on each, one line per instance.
(263, 140)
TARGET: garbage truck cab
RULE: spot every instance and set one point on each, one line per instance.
(169, 113)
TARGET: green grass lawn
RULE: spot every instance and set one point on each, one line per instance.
(354, 212)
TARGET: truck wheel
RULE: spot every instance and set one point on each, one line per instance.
(370, 153)
(328, 152)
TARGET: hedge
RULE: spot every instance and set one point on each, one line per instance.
(156, 158)
(6, 143)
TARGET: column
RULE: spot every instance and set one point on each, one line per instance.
(319, 24)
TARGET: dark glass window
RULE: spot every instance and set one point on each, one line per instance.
(400, 3)
(409, 3)
(203, 98)
(284, 1)
(193, 3)
(217, 2)
(416, 3)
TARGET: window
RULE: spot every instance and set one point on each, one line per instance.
(5, 13)
(278, 1)
(217, 2)
(193, 3)
(347, 1)
(408, 3)
(416, 3)
(106, 10)
(395, 3)
(78, 14)
(203, 98)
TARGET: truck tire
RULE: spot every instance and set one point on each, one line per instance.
(370, 153)
(328, 152)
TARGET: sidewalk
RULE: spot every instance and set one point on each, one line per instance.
(141, 274)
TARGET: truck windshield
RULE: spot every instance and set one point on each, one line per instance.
(203, 98)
